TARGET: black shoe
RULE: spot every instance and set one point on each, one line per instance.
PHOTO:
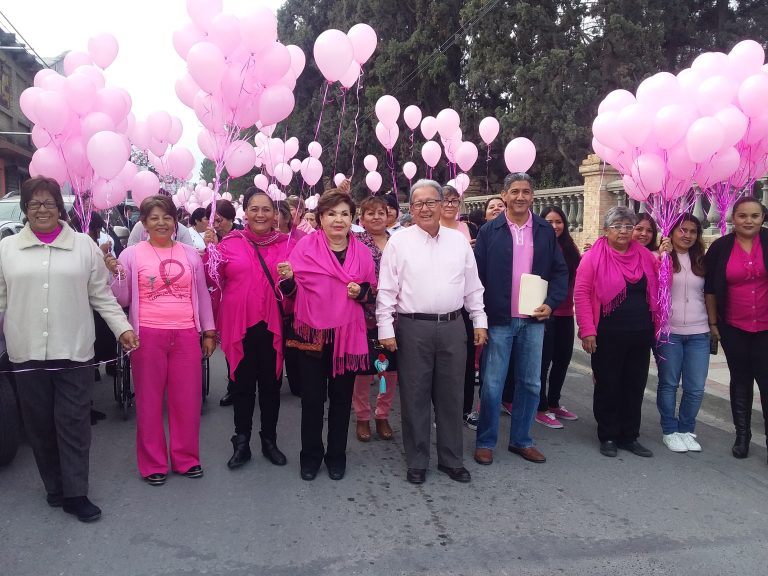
(416, 475)
(636, 448)
(157, 479)
(194, 472)
(83, 508)
(308, 473)
(741, 447)
(226, 400)
(608, 448)
(272, 452)
(335, 472)
(457, 474)
(55, 500)
(242, 451)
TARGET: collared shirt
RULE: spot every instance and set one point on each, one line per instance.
(522, 258)
(747, 307)
(428, 275)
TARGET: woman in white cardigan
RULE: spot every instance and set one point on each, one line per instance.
(51, 280)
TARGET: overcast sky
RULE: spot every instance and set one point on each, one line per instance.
(147, 64)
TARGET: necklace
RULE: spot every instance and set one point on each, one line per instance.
(163, 269)
(265, 240)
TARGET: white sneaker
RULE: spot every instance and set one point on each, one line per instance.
(689, 439)
(674, 442)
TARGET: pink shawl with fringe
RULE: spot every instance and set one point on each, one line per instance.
(323, 308)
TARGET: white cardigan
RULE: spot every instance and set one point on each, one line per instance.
(47, 292)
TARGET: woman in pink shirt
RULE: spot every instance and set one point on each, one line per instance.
(250, 322)
(163, 282)
(736, 294)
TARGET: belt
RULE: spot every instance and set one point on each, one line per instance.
(433, 317)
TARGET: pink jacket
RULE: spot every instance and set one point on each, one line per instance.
(127, 291)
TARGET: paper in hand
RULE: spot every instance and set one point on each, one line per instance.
(533, 292)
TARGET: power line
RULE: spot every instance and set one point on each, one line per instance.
(29, 46)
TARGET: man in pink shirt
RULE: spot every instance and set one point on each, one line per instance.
(507, 247)
(428, 274)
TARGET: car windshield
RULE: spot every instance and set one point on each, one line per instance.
(9, 210)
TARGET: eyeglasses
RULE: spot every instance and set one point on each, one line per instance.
(620, 227)
(418, 206)
(454, 202)
(34, 205)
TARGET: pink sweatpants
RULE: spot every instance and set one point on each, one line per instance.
(361, 397)
(167, 360)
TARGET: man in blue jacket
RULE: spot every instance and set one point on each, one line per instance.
(516, 242)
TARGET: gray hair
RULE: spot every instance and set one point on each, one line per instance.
(425, 182)
(619, 213)
(517, 177)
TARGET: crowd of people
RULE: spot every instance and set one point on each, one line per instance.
(353, 300)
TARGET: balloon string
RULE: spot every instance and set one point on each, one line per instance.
(92, 365)
(412, 134)
(487, 167)
(341, 123)
(391, 164)
(322, 107)
(357, 114)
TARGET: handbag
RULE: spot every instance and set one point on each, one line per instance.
(377, 353)
(291, 339)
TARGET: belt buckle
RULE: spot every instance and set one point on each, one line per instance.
(440, 318)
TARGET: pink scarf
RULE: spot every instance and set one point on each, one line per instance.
(323, 308)
(614, 270)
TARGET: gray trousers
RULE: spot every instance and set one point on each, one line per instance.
(430, 370)
(55, 406)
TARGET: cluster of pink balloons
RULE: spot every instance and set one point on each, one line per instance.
(707, 124)
(198, 196)
(277, 158)
(340, 57)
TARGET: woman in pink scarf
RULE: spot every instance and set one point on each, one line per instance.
(335, 276)
(615, 296)
(250, 322)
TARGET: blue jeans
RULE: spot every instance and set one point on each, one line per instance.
(686, 357)
(523, 338)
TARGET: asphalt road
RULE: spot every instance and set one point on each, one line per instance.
(580, 513)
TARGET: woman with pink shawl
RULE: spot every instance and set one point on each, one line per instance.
(616, 301)
(335, 276)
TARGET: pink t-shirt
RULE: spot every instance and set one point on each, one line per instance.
(165, 287)
(745, 274)
(48, 237)
(522, 258)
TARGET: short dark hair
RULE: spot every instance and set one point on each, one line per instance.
(747, 199)
(157, 201)
(224, 208)
(332, 198)
(517, 177)
(448, 189)
(197, 215)
(371, 203)
(38, 184)
(252, 191)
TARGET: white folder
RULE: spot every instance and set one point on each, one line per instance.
(533, 292)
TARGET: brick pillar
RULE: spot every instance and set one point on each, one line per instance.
(597, 198)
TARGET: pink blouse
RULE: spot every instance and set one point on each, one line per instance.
(745, 275)
(165, 287)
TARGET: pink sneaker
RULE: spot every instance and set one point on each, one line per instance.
(548, 419)
(563, 413)
(506, 407)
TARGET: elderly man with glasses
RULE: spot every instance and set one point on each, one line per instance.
(507, 247)
(428, 274)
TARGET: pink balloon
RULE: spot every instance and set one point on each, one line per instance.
(239, 158)
(671, 124)
(519, 155)
(314, 149)
(206, 65)
(291, 147)
(174, 134)
(735, 124)
(127, 173)
(103, 49)
(159, 123)
(276, 104)
(283, 173)
(186, 37)
(466, 155)
(337, 180)
(275, 63)
(259, 30)
(28, 101)
(648, 173)
(448, 122)
(363, 39)
(261, 182)
(431, 153)
(461, 183)
(333, 54)
(140, 136)
(753, 94)
(80, 93)
(632, 190)
(387, 135)
(388, 110)
(40, 138)
(107, 152)
(311, 170)
(209, 109)
(428, 127)
(711, 64)
(758, 129)
(746, 58)
(658, 90)
(606, 129)
(489, 129)
(180, 162)
(48, 162)
(298, 59)
(351, 76)
(203, 11)
(679, 162)
(371, 163)
(52, 111)
(615, 101)
(716, 93)
(635, 123)
(113, 101)
(373, 181)
(720, 168)
(412, 116)
(704, 138)
(158, 147)
(41, 75)
(74, 59)
(76, 160)
(224, 31)
(409, 170)
(107, 193)
(295, 164)
(144, 184)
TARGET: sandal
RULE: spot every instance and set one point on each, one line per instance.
(157, 479)
(363, 431)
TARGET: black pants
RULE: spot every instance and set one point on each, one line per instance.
(292, 359)
(56, 408)
(620, 365)
(258, 365)
(747, 356)
(469, 369)
(557, 352)
(318, 385)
